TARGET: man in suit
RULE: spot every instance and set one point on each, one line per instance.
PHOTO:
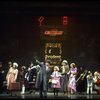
(41, 81)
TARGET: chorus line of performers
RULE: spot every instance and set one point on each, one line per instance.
(40, 76)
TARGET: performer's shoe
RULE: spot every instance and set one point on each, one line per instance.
(41, 96)
(45, 96)
(22, 93)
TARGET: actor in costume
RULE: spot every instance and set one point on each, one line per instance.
(1, 77)
(64, 79)
(41, 81)
(55, 80)
(72, 79)
(81, 80)
(89, 83)
(97, 82)
(30, 76)
(12, 75)
(22, 79)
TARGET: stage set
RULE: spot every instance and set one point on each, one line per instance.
(63, 33)
(17, 95)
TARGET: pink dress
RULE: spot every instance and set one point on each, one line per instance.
(56, 76)
(72, 80)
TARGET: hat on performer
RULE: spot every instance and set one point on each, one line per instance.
(57, 67)
(65, 61)
(15, 64)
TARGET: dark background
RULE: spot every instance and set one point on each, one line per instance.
(20, 38)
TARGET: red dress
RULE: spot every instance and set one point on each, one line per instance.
(98, 83)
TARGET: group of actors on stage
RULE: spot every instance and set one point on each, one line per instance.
(67, 78)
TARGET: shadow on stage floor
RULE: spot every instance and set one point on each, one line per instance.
(17, 95)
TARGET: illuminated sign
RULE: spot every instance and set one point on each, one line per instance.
(53, 33)
(64, 20)
(53, 52)
(40, 20)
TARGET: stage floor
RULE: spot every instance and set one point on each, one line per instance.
(50, 95)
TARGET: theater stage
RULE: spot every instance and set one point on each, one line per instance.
(27, 95)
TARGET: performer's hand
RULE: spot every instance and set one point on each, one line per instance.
(2, 71)
(36, 60)
(81, 75)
